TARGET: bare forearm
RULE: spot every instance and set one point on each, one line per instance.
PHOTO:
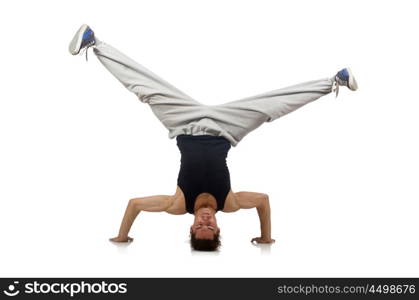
(264, 212)
(130, 214)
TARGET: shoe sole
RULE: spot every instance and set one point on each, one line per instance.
(353, 85)
(75, 44)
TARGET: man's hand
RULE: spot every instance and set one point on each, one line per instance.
(260, 240)
(121, 239)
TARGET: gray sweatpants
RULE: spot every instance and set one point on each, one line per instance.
(181, 114)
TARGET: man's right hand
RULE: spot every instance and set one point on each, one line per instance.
(260, 240)
(121, 239)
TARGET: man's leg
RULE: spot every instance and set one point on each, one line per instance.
(173, 108)
(178, 112)
(240, 117)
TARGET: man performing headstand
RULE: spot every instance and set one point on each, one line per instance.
(204, 136)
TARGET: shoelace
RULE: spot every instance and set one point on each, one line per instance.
(85, 49)
(335, 87)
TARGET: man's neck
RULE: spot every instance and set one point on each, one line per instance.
(205, 200)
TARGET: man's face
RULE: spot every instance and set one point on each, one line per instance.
(205, 224)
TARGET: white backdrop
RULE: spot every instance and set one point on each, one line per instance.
(342, 174)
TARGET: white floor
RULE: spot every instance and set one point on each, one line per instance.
(76, 146)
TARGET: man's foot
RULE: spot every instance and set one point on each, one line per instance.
(344, 78)
(84, 38)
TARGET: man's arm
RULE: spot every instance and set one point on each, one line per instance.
(153, 203)
(261, 202)
(264, 212)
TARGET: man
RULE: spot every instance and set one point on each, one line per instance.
(204, 136)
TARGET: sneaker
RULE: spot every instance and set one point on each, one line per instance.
(83, 39)
(345, 78)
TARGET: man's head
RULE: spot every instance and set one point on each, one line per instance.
(205, 234)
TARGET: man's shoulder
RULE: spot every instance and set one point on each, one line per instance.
(231, 204)
(177, 203)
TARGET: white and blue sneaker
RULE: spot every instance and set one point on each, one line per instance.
(345, 78)
(83, 39)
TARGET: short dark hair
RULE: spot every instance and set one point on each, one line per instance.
(205, 244)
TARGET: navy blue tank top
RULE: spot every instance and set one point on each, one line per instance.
(203, 168)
